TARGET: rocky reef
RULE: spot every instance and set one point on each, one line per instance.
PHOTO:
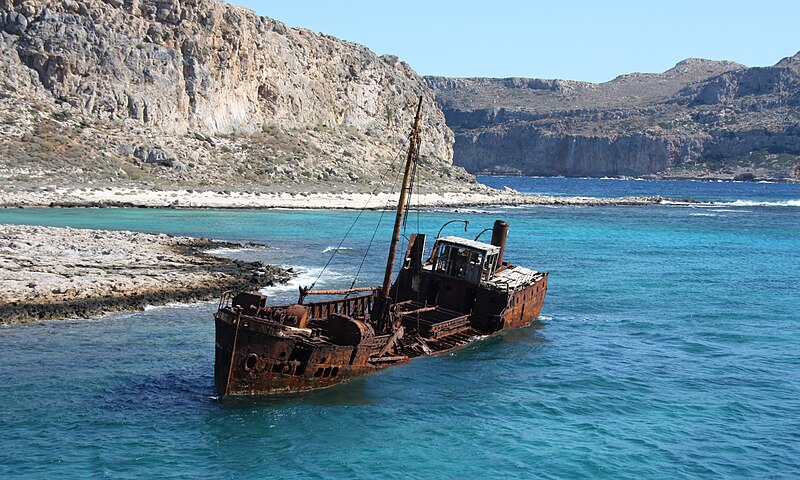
(199, 93)
(50, 273)
(700, 119)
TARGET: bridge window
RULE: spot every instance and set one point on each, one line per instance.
(489, 266)
(460, 262)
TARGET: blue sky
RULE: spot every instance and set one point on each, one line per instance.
(569, 39)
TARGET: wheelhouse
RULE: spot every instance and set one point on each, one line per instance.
(465, 259)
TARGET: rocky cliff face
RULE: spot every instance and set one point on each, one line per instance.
(199, 92)
(700, 118)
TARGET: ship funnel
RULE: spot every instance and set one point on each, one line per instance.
(499, 236)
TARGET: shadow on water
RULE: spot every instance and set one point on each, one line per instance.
(371, 389)
(355, 392)
(192, 388)
(523, 341)
(171, 392)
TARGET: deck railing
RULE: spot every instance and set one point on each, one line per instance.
(352, 307)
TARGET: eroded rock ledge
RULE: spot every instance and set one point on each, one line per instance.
(52, 273)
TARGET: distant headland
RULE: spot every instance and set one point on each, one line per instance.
(701, 119)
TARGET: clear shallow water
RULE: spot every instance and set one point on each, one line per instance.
(668, 348)
(737, 193)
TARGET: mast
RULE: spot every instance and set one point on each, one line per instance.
(413, 151)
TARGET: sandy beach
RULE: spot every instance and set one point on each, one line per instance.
(50, 273)
(131, 197)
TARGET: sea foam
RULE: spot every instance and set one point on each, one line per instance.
(751, 203)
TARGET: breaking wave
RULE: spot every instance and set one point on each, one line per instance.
(341, 249)
(171, 305)
(734, 203)
(227, 250)
(751, 203)
(304, 277)
(475, 211)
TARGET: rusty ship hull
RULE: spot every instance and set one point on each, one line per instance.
(264, 350)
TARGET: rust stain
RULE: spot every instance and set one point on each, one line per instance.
(436, 306)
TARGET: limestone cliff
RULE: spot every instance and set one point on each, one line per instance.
(700, 118)
(199, 92)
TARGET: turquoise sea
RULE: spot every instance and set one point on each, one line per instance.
(668, 347)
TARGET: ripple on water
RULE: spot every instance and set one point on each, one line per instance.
(666, 349)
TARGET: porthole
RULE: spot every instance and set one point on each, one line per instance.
(250, 362)
(318, 373)
(334, 372)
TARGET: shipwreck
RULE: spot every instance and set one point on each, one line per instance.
(465, 289)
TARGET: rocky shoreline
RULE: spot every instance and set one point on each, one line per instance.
(132, 198)
(49, 273)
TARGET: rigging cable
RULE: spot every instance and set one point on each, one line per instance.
(361, 212)
(411, 187)
(374, 233)
(380, 219)
(416, 173)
